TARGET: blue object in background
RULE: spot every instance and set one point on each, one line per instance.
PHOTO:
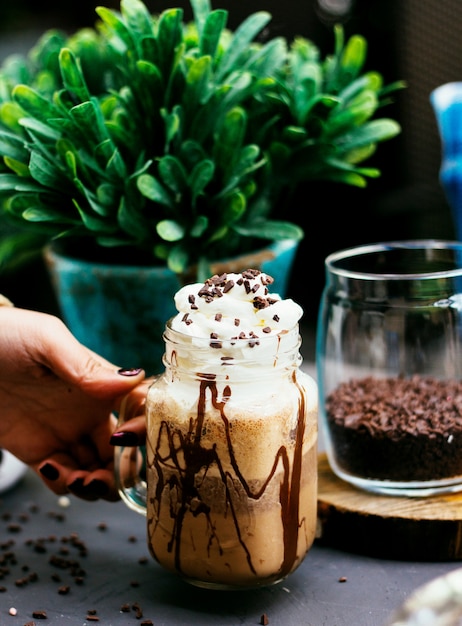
(446, 101)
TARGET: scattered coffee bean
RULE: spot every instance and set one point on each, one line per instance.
(264, 620)
(342, 579)
(14, 528)
(39, 614)
(136, 607)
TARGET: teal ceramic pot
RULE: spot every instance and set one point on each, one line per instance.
(119, 311)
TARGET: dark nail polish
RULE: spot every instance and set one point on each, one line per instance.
(49, 471)
(129, 371)
(96, 488)
(76, 486)
(124, 439)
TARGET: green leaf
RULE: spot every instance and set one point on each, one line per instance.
(233, 208)
(178, 259)
(169, 38)
(34, 104)
(354, 56)
(115, 166)
(40, 129)
(241, 40)
(91, 198)
(47, 174)
(270, 229)
(230, 138)
(200, 177)
(211, 32)
(170, 230)
(152, 189)
(13, 147)
(201, 10)
(107, 194)
(173, 174)
(372, 132)
(137, 16)
(173, 123)
(199, 227)
(11, 182)
(198, 82)
(41, 214)
(116, 24)
(19, 168)
(94, 223)
(10, 114)
(72, 74)
(131, 220)
(88, 119)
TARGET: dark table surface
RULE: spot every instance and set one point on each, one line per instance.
(71, 560)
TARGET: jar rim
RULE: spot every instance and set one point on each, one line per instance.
(357, 261)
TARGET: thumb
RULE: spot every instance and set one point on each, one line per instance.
(76, 364)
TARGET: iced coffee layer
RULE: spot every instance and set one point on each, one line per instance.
(249, 438)
(220, 471)
(226, 545)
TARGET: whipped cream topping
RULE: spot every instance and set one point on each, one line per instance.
(234, 307)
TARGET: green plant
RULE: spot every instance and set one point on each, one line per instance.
(179, 140)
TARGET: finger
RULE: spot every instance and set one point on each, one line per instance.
(54, 475)
(132, 433)
(133, 403)
(93, 486)
(76, 364)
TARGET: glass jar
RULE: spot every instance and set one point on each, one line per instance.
(231, 460)
(389, 358)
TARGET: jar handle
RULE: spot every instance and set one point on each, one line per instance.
(130, 468)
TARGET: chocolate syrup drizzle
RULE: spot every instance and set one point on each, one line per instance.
(185, 498)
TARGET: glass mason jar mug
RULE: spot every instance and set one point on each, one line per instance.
(231, 461)
(389, 359)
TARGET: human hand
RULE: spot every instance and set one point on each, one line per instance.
(56, 403)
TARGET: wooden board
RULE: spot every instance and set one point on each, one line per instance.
(417, 529)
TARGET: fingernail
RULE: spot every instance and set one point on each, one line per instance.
(76, 486)
(129, 371)
(96, 488)
(126, 438)
(49, 471)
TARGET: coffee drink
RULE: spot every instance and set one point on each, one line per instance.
(231, 438)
